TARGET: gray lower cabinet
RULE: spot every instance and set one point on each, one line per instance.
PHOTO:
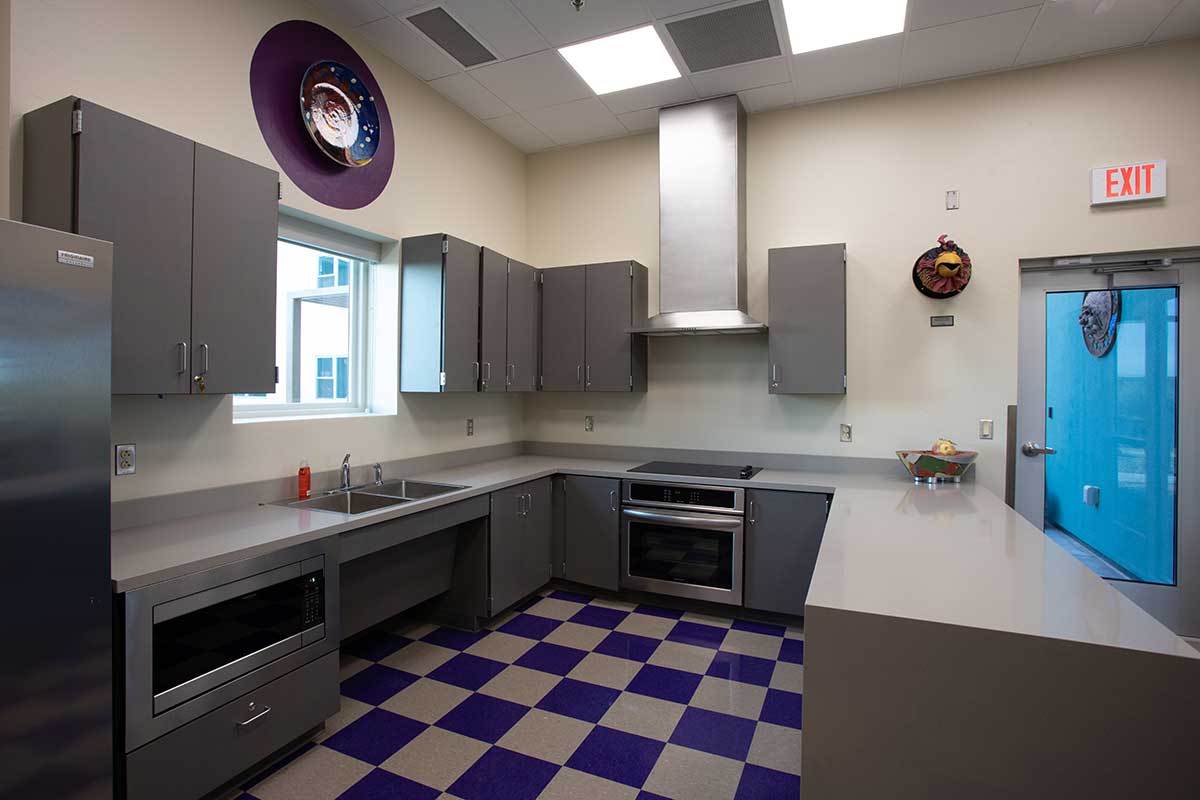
(806, 302)
(586, 311)
(199, 757)
(194, 234)
(591, 530)
(508, 324)
(439, 318)
(519, 543)
(783, 535)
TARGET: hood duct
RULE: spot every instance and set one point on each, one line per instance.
(702, 221)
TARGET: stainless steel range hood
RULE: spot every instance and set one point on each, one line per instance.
(702, 221)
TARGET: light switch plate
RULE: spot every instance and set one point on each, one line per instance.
(126, 459)
(952, 200)
(987, 429)
(589, 424)
(847, 433)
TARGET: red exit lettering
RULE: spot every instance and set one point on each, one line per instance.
(1129, 181)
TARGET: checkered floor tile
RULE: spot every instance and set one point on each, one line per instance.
(568, 696)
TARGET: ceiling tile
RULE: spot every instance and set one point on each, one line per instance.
(353, 12)
(408, 48)
(533, 81)
(1183, 21)
(768, 97)
(1070, 28)
(579, 121)
(849, 69)
(928, 13)
(466, 92)
(963, 48)
(669, 8)
(640, 121)
(499, 24)
(561, 24)
(401, 7)
(518, 131)
(728, 80)
(654, 95)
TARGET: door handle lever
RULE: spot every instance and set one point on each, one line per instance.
(1033, 449)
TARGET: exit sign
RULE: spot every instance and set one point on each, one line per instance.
(1145, 180)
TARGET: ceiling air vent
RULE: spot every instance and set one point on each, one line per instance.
(731, 36)
(445, 31)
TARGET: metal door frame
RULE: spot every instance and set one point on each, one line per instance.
(1177, 605)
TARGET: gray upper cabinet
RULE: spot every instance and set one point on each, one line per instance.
(183, 219)
(493, 321)
(508, 324)
(439, 318)
(783, 535)
(235, 225)
(807, 319)
(563, 327)
(591, 531)
(522, 327)
(586, 311)
(519, 543)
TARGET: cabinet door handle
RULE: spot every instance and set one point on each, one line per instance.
(578, 374)
(612, 500)
(587, 381)
(753, 518)
(245, 726)
(474, 370)
(204, 359)
(183, 361)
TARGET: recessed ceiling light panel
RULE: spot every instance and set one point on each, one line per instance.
(817, 24)
(621, 61)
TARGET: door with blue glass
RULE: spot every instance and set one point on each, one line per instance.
(1102, 448)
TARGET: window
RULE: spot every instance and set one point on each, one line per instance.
(325, 331)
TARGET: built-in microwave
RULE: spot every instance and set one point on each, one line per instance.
(195, 642)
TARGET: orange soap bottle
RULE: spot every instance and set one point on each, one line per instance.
(304, 480)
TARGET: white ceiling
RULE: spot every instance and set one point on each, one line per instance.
(534, 99)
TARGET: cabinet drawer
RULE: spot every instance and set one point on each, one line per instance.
(200, 756)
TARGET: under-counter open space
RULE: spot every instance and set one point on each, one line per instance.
(547, 399)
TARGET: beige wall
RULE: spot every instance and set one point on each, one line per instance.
(184, 66)
(871, 172)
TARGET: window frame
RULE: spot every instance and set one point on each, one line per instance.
(359, 377)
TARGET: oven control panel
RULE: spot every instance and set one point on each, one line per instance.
(314, 599)
(714, 498)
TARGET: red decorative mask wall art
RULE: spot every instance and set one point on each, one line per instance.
(943, 271)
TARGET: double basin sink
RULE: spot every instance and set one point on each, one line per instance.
(372, 497)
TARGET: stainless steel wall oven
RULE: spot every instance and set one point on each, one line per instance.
(684, 540)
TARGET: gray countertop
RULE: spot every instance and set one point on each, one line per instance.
(954, 554)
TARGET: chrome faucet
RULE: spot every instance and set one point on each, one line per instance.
(378, 474)
(346, 473)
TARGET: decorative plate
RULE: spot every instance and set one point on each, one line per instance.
(1098, 318)
(942, 271)
(339, 113)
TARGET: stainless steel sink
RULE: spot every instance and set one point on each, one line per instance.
(413, 490)
(348, 502)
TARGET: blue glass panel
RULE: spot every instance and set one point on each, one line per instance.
(343, 378)
(325, 367)
(324, 272)
(343, 272)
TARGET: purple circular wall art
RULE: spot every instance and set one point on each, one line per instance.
(277, 70)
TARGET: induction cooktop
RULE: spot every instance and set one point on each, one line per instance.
(699, 470)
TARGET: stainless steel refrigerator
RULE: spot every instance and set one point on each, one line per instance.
(56, 654)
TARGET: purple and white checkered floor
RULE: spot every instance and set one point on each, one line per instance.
(568, 697)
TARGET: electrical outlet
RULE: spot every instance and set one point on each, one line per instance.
(987, 429)
(126, 459)
(847, 433)
(470, 426)
(589, 424)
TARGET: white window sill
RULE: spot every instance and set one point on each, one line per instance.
(308, 416)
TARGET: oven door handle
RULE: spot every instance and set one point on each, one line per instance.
(708, 523)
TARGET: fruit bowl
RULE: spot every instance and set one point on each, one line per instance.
(930, 466)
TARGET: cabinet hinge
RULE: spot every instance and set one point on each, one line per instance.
(77, 121)
(442, 379)
(279, 190)
(445, 246)
(843, 256)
